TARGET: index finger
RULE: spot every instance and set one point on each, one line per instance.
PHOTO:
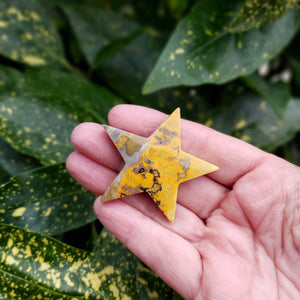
(234, 157)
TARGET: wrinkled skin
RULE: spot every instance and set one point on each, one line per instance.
(236, 233)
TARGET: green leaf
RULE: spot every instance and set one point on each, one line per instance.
(58, 101)
(253, 120)
(91, 98)
(14, 162)
(153, 15)
(45, 200)
(47, 135)
(11, 81)
(38, 267)
(142, 283)
(178, 7)
(277, 94)
(295, 65)
(201, 50)
(255, 14)
(112, 49)
(4, 176)
(96, 28)
(126, 72)
(28, 36)
(292, 152)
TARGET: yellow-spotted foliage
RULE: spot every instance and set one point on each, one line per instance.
(231, 65)
(38, 267)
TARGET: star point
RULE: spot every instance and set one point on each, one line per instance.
(155, 165)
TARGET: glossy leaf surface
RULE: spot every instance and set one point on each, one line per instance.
(39, 267)
(13, 162)
(202, 50)
(141, 282)
(96, 28)
(57, 109)
(28, 36)
(254, 14)
(253, 120)
(127, 71)
(73, 89)
(45, 200)
(46, 136)
(277, 94)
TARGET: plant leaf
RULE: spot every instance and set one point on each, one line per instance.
(11, 81)
(96, 28)
(113, 48)
(277, 94)
(39, 267)
(255, 14)
(126, 72)
(14, 162)
(47, 135)
(295, 66)
(91, 98)
(201, 50)
(253, 120)
(28, 36)
(59, 101)
(178, 7)
(292, 152)
(4, 176)
(142, 283)
(45, 200)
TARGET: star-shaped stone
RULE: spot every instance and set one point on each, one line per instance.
(155, 165)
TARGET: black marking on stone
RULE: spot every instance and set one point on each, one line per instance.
(141, 170)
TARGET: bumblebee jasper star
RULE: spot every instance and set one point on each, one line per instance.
(155, 165)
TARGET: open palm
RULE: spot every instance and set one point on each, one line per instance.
(236, 233)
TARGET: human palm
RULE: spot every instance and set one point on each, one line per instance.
(236, 233)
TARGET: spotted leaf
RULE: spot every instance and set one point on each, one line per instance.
(46, 200)
(58, 101)
(254, 14)
(28, 36)
(46, 136)
(141, 282)
(126, 72)
(38, 267)
(96, 28)
(202, 50)
(252, 119)
(13, 162)
(72, 88)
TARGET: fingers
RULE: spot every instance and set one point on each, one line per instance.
(90, 174)
(173, 258)
(201, 195)
(233, 157)
(92, 140)
(186, 224)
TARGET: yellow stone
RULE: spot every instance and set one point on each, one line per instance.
(155, 165)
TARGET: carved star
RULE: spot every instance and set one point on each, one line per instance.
(155, 165)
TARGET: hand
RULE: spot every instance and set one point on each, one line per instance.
(236, 233)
